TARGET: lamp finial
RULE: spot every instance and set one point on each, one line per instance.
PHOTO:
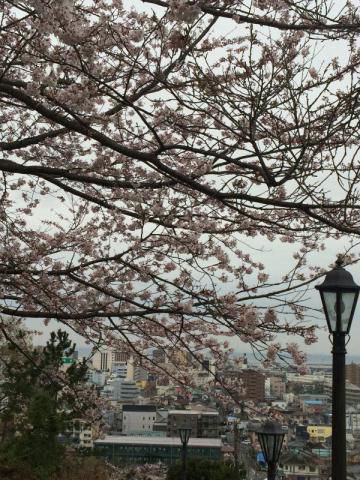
(340, 260)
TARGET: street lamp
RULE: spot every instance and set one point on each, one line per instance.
(271, 437)
(184, 437)
(339, 294)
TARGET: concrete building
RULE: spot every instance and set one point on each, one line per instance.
(106, 358)
(80, 434)
(138, 419)
(308, 379)
(353, 373)
(140, 450)
(253, 385)
(352, 392)
(277, 387)
(302, 465)
(319, 433)
(302, 401)
(203, 424)
(125, 391)
(96, 377)
(353, 422)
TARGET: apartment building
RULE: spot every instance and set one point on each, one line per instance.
(353, 373)
(203, 424)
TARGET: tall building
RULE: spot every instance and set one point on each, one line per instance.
(277, 387)
(353, 373)
(252, 383)
(108, 358)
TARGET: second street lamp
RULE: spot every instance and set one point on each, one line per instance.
(339, 294)
(184, 437)
(271, 437)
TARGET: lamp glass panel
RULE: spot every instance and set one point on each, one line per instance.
(263, 447)
(268, 445)
(278, 445)
(347, 302)
(330, 307)
(184, 434)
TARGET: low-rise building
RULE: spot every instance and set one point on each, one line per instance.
(352, 392)
(79, 434)
(138, 419)
(139, 450)
(203, 423)
(319, 433)
(299, 464)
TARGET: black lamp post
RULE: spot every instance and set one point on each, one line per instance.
(271, 437)
(339, 294)
(184, 437)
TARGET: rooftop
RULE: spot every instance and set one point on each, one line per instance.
(166, 441)
(192, 412)
(139, 408)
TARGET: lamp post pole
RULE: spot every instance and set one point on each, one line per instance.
(183, 459)
(338, 447)
(271, 473)
(184, 437)
(339, 294)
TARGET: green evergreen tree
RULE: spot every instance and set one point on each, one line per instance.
(39, 399)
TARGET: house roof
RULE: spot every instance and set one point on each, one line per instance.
(139, 408)
(166, 441)
(299, 457)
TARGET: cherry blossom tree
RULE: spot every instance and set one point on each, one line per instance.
(147, 146)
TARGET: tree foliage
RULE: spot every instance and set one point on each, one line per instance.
(39, 399)
(146, 148)
(202, 469)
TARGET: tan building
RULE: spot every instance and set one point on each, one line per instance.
(253, 385)
(353, 373)
(105, 359)
(277, 387)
